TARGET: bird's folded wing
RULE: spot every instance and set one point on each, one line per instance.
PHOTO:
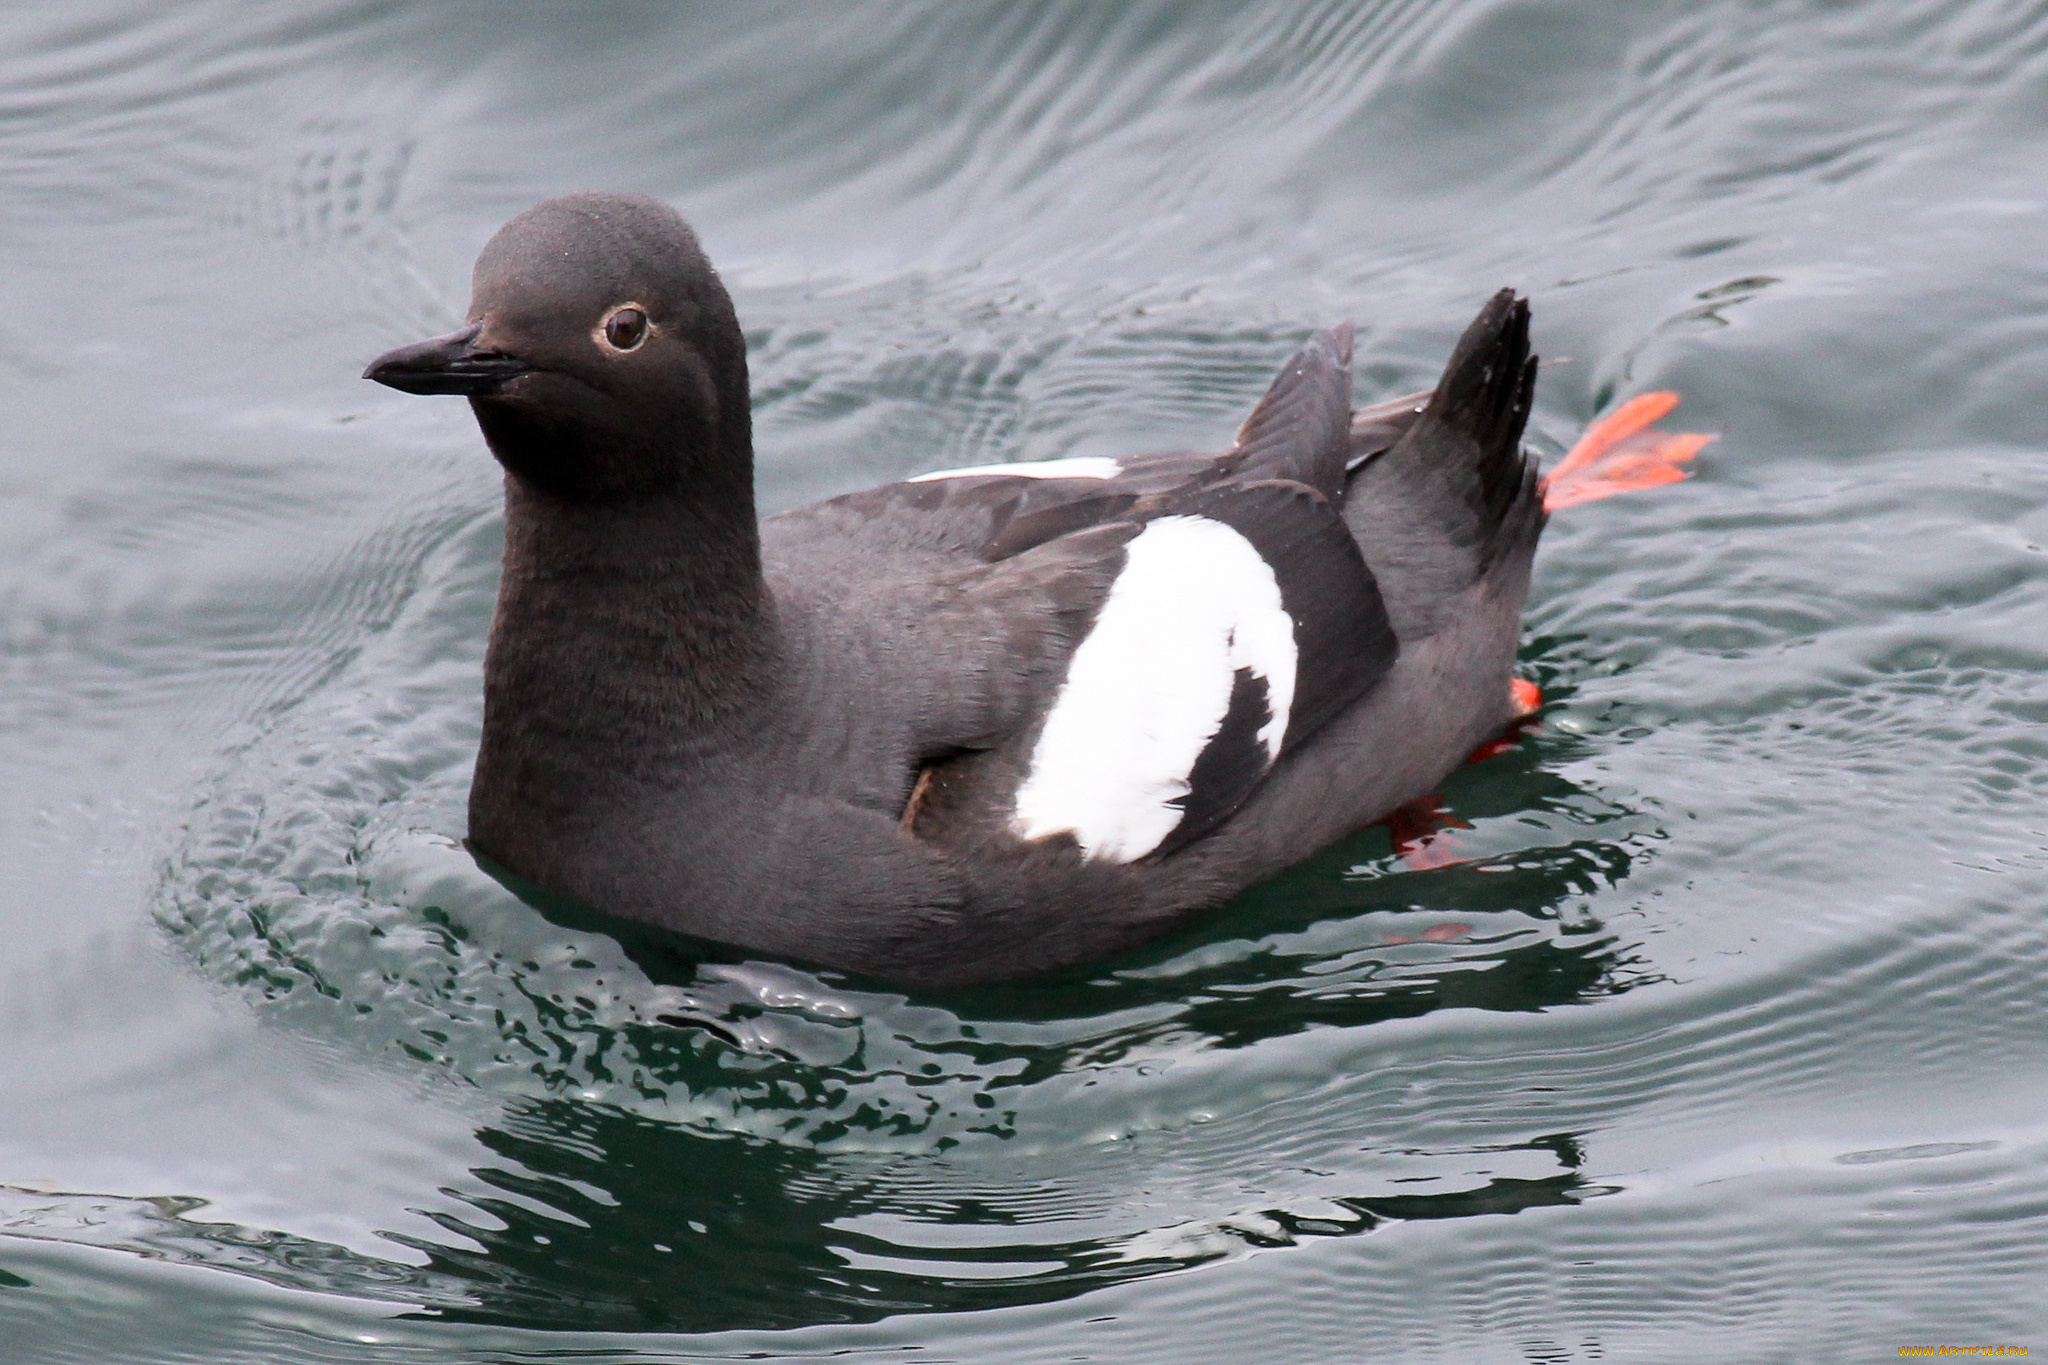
(1140, 678)
(995, 648)
(1301, 429)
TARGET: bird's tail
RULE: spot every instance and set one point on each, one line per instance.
(1454, 497)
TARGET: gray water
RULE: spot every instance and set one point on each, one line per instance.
(1726, 1041)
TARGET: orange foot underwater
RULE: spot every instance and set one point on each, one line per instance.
(1527, 700)
(1448, 932)
(1418, 830)
(1621, 452)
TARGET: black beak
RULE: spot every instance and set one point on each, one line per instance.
(449, 364)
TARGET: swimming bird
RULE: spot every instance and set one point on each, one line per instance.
(977, 724)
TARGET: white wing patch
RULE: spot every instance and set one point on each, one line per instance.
(1080, 467)
(1149, 687)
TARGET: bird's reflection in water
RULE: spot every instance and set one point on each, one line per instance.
(814, 1149)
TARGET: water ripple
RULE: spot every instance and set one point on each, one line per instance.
(1726, 1028)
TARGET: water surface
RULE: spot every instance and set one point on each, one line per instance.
(1729, 1033)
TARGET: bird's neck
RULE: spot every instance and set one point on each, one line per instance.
(637, 631)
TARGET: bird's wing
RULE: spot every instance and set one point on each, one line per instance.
(1377, 428)
(1116, 650)
(1301, 429)
(1187, 652)
(989, 513)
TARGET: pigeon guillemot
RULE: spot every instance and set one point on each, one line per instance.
(980, 723)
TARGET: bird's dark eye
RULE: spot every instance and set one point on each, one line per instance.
(626, 328)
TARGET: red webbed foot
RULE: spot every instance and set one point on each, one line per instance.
(1450, 931)
(1621, 452)
(1526, 699)
(1417, 829)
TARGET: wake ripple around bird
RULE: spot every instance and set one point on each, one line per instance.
(1733, 1002)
